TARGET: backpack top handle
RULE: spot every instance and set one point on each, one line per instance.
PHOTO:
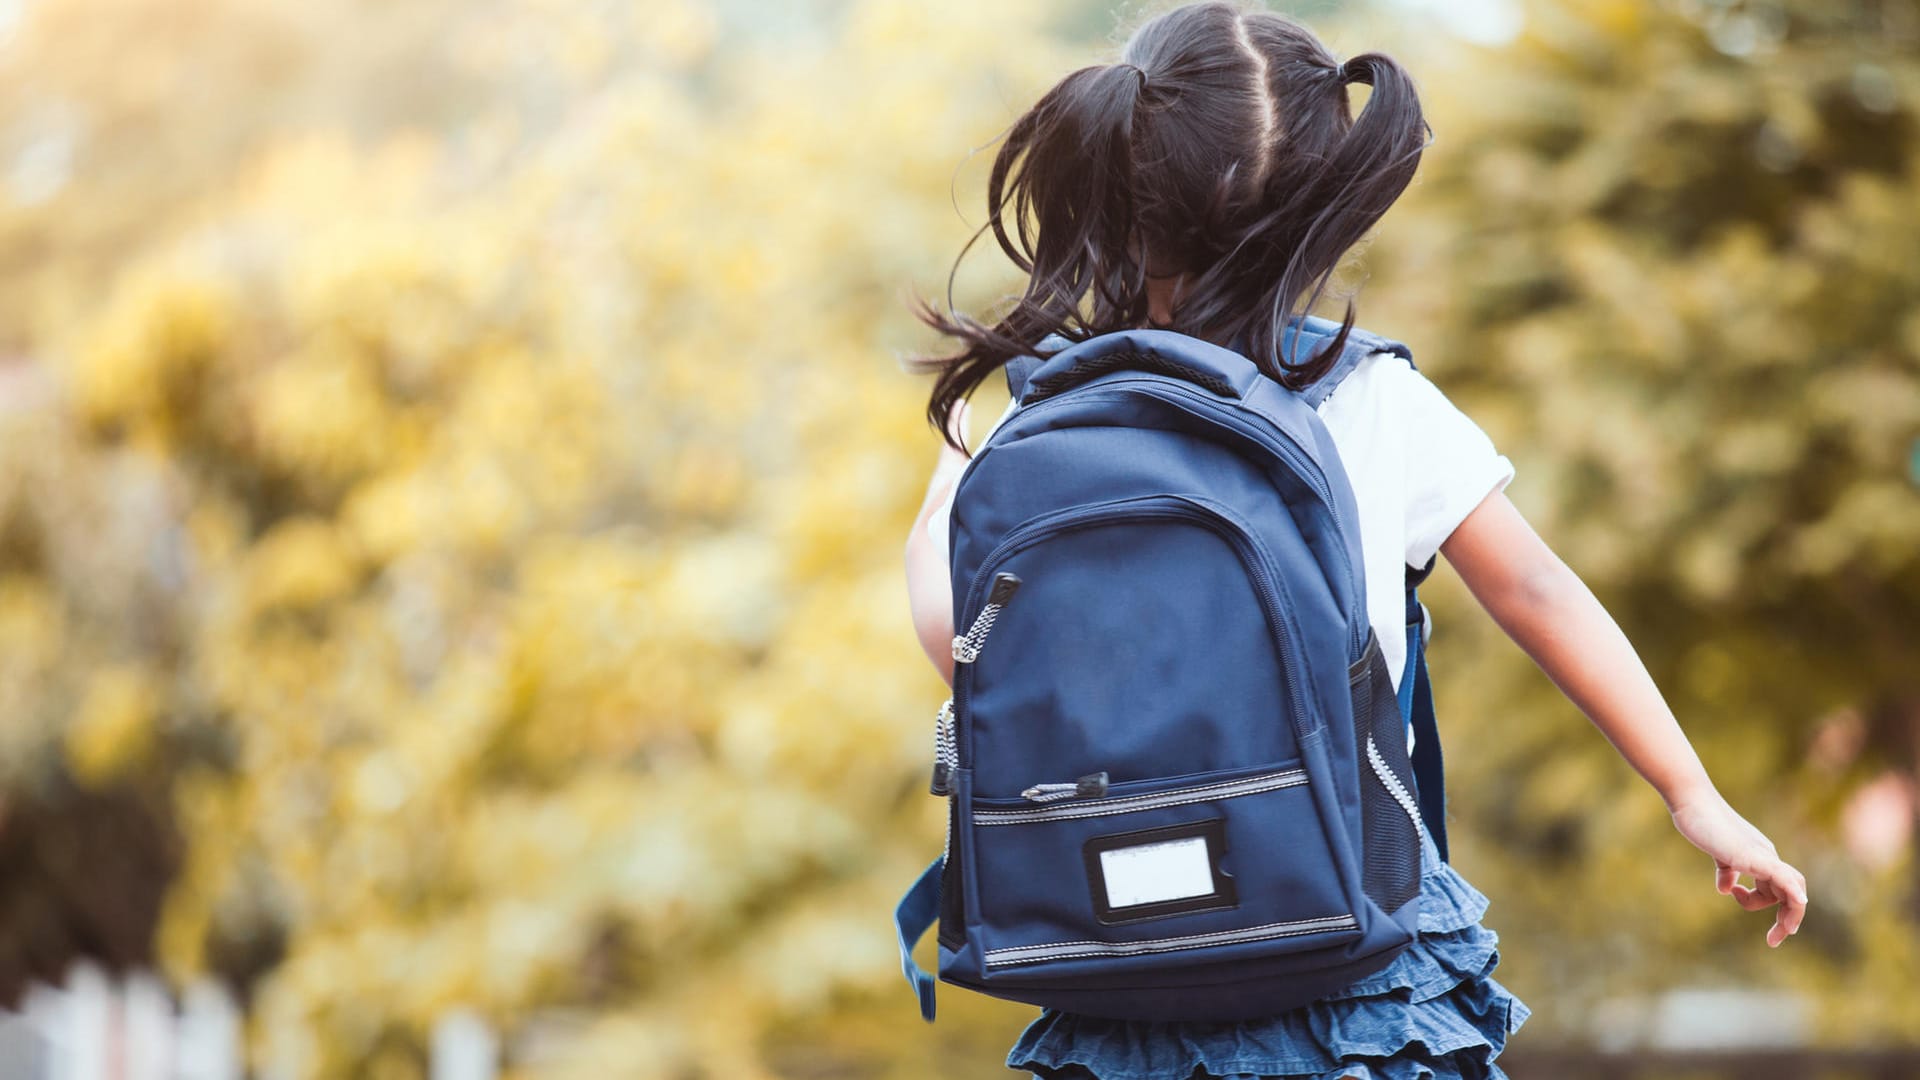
(1060, 363)
(1166, 352)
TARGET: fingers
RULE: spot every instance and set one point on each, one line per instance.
(1779, 884)
(1778, 932)
(1791, 886)
(1725, 878)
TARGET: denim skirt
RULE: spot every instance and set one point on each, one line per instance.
(1435, 1011)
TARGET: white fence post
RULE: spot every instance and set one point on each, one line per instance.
(146, 1035)
(80, 1025)
(207, 1045)
(464, 1047)
(96, 1027)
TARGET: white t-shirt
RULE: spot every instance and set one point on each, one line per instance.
(1418, 466)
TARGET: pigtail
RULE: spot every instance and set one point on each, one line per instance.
(1065, 176)
(1223, 148)
(1330, 180)
(1372, 164)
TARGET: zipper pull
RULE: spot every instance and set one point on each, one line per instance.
(1004, 585)
(967, 646)
(946, 754)
(1090, 786)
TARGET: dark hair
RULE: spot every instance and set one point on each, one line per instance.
(1221, 145)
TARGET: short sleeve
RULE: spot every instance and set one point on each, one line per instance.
(937, 520)
(1451, 466)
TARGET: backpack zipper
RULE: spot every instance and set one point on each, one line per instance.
(1169, 389)
(1207, 791)
(945, 757)
(967, 646)
(1090, 786)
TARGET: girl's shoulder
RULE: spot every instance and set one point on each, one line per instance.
(1385, 381)
(1379, 380)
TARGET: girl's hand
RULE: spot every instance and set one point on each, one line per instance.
(1738, 848)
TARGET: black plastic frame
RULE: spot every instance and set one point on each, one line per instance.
(1225, 894)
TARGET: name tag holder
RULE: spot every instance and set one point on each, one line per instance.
(1154, 873)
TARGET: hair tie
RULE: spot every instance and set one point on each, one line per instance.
(1137, 70)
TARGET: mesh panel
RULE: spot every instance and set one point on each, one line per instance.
(1390, 867)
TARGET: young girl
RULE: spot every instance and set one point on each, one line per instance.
(1199, 184)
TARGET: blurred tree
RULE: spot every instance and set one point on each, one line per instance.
(58, 903)
(109, 146)
(1667, 254)
(489, 540)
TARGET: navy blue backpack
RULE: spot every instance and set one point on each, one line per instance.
(1175, 765)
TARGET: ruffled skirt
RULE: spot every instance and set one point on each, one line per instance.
(1435, 1011)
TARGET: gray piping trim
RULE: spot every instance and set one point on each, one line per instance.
(1046, 793)
(967, 646)
(945, 753)
(944, 748)
(1068, 950)
(1394, 786)
(1126, 804)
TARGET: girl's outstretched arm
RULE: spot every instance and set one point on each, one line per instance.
(929, 584)
(1551, 614)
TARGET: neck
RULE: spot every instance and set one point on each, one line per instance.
(1161, 294)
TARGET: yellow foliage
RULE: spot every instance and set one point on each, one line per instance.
(537, 486)
(152, 352)
(112, 731)
(301, 563)
(473, 473)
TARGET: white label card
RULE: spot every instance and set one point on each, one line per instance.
(1157, 872)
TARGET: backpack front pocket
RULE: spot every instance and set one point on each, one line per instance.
(1234, 862)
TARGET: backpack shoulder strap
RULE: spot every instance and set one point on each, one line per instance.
(1359, 345)
(1316, 330)
(916, 913)
(1416, 704)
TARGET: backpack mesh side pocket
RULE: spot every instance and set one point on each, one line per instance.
(1390, 814)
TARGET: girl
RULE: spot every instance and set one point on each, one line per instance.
(1200, 184)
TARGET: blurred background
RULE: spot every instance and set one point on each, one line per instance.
(455, 458)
